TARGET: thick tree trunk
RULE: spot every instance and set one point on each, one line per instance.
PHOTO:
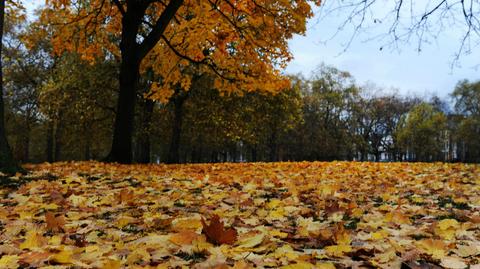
(121, 150)
(7, 163)
(144, 137)
(132, 55)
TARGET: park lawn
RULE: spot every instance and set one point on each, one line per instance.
(291, 215)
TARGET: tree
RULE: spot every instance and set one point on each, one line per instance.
(327, 106)
(77, 102)
(376, 117)
(25, 71)
(421, 133)
(7, 163)
(467, 106)
(242, 42)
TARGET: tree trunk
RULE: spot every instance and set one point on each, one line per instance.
(144, 137)
(26, 146)
(87, 154)
(132, 55)
(7, 163)
(273, 146)
(26, 139)
(49, 149)
(57, 140)
(174, 151)
(254, 153)
(121, 150)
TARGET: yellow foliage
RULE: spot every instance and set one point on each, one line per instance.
(9, 261)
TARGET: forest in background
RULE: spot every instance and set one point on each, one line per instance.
(63, 106)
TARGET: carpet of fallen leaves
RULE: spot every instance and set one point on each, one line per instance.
(289, 215)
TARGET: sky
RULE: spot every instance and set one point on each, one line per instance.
(404, 68)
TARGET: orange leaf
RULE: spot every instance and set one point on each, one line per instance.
(34, 259)
(216, 232)
(125, 196)
(184, 238)
(54, 224)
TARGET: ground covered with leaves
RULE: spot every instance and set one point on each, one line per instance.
(290, 215)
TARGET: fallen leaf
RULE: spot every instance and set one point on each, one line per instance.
(34, 259)
(63, 257)
(436, 248)
(299, 265)
(111, 264)
(452, 263)
(54, 224)
(216, 232)
(250, 240)
(33, 240)
(338, 250)
(9, 262)
(184, 237)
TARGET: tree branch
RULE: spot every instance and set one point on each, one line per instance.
(154, 36)
(119, 6)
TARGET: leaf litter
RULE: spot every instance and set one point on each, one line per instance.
(253, 215)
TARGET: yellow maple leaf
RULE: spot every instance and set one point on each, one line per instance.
(286, 251)
(436, 248)
(447, 224)
(397, 217)
(447, 228)
(338, 250)
(33, 240)
(276, 214)
(111, 264)
(187, 224)
(9, 261)
(274, 203)
(251, 239)
(63, 257)
(277, 233)
(379, 235)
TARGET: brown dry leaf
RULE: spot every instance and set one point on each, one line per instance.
(216, 232)
(54, 224)
(125, 196)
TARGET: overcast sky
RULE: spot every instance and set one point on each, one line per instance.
(411, 72)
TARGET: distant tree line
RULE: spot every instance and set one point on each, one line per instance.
(63, 108)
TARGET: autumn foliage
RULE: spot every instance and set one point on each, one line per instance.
(290, 215)
(243, 43)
